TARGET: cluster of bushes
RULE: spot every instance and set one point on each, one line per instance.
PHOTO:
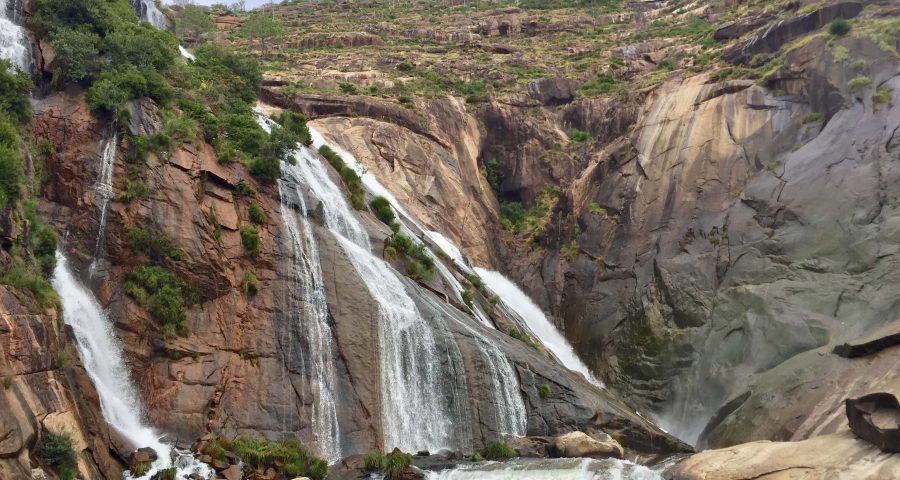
(58, 451)
(33, 254)
(102, 45)
(287, 458)
(163, 294)
(517, 220)
(419, 264)
(391, 465)
(250, 239)
(348, 175)
(383, 210)
(493, 173)
(498, 451)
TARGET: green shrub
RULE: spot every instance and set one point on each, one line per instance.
(419, 264)
(14, 98)
(395, 463)
(882, 95)
(288, 458)
(603, 85)
(169, 473)
(162, 293)
(493, 173)
(476, 457)
(257, 214)
(859, 82)
(295, 124)
(839, 27)
(58, 451)
(250, 240)
(348, 88)
(812, 117)
(498, 451)
(858, 65)
(579, 135)
(23, 277)
(666, 65)
(140, 469)
(11, 172)
(383, 210)
(134, 188)
(243, 189)
(77, 52)
(156, 244)
(249, 283)
(373, 462)
(527, 340)
(63, 360)
(468, 297)
(544, 390)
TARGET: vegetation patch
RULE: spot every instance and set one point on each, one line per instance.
(526, 339)
(163, 294)
(382, 208)
(58, 450)
(391, 465)
(498, 451)
(251, 240)
(518, 220)
(249, 283)
(812, 117)
(289, 458)
(882, 95)
(419, 264)
(859, 82)
(839, 27)
(257, 214)
(155, 244)
(351, 179)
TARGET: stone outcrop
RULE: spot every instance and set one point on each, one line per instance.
(39, 392)
(552, 91)
(838, 456)
(580, 444)
(340, 39)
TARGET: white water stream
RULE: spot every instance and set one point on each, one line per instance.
(103, 189)
(537, 322)
(308, 307)
(148, 11)
(549, 469)
(14, 45)
(101, 354)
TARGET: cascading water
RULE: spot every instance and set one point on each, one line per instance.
(103, 189)
(415, 415)
(549, 469)
(101, 354)
(511, 417)
(148, 11)
(510, 407)
(308, 308)
(537, 322)
(14, 45)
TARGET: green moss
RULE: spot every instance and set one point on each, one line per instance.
(544, 390)
(249, 283)
(288, 458)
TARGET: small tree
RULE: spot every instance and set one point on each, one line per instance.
(264, 29)
(192, 23)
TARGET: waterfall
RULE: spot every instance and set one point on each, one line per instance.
(308, 308)
(148, 11)
(14, 45)
(101, 354)
(510, 414)
(549, 469)
(537, 322)
(103, 189)
(186, 54)
(415, 415)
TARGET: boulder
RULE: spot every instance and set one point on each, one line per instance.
(232, 473)
(530, 447)
(552, 91)
(580, 444)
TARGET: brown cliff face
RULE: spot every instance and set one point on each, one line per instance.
(239, 370)
(40, 391)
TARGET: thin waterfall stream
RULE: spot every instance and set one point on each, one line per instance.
(14, 45)
(103, 189)
(102, 355)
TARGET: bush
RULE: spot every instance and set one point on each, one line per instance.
(468, 297)
(579, 135)
(22, 277)
(154, 243)
(14, 99)
(11, 173)
(839, 28)
(295, 124)
(162, 293)
(493, 173)
(476, 457)
(373, 462)
(604, 84)
(249, 283)
(859, 83)
(395, 463)
(498, 451)
(58, 451)
(882, 95)
(134, 188)
(382, 209)
(257, 214)
(419, 264)
(348, 88)
(169, 473)
(250, 240)
(288, 458)
(78, 53)
(666, 65)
